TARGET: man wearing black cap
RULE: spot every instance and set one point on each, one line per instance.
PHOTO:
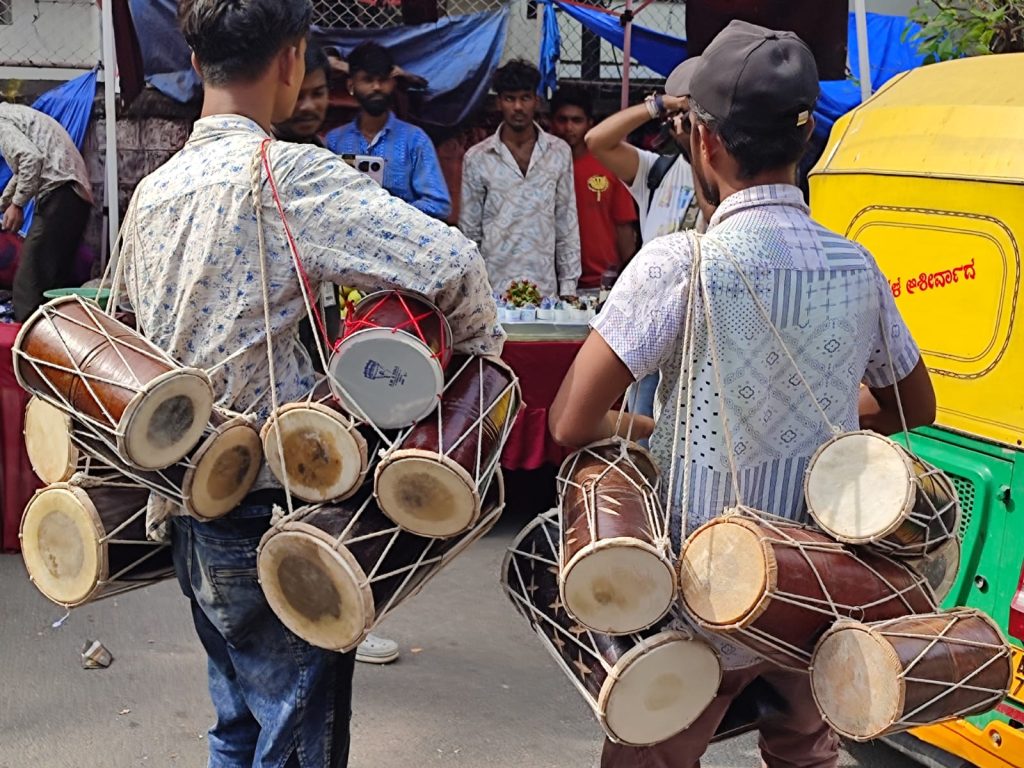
(786, 322)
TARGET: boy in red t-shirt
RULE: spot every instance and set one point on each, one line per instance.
(607, 212)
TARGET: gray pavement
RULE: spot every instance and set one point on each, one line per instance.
(473, 688)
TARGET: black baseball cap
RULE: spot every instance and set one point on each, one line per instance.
(756, 77)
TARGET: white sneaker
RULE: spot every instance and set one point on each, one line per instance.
(377, 650)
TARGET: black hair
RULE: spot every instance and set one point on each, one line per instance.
(516, 75)
(372, 58)
(235, 40)
(757, 150)
(316, 58)
(573, 96)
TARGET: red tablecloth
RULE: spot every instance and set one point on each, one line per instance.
(17, 481)
(541, 366)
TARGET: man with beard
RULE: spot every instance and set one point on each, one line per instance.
(411, 170)
(751, 423)
(518, 201)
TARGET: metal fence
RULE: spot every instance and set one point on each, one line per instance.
(49, 33)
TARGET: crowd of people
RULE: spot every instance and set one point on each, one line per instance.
(560, 208)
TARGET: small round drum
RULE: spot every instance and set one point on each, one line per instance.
(616, 575)
(210, 482)
(388, 368)
(89, 364)
(325, 457)
(774, 587)
(431, 483)
(332, 572)
(643, 688)
(940, 568)
(864, 488)
(82, 544)
(870, 680)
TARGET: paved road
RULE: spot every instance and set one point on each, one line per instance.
(473, 688)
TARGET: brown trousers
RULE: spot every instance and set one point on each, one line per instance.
(800, 739)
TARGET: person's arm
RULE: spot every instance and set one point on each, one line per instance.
(634, 334)
(624, 216)
(607, 139)
(474, 196)
(895, 362)
(429, 188)
(351, 232)
(26, 163)
(625, 243)
(568, 264)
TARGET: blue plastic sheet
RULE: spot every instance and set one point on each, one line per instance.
(71, 106)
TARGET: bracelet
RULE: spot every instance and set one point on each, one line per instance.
(653, 108)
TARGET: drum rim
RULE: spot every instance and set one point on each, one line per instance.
(349, 430)
(102, 565)
(131, 412)
(565, 571)
(195, 466)
(414, 343)
(908, 500)
(637, 654)
(460, 472)
(630, 446)
(446, 327)
(341, 555)
(73, 453)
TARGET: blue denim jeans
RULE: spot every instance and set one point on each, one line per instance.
(280, 702)
(641, 398)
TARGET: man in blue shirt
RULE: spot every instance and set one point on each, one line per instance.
(411, 170)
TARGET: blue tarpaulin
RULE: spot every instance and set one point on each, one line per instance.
(457, 55)
(71, 106)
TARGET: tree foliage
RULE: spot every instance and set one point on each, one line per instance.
(951, 29)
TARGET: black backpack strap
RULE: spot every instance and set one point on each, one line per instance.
(656, 176)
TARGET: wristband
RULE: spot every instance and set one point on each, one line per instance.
(651, 102)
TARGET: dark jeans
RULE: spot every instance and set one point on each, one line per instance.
(48, 255)
(280, 702)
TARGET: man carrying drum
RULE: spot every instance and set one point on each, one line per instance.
(818, 317)
(201, 279)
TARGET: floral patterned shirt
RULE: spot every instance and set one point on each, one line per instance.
(828, 300)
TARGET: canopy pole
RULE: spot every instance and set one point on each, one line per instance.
(627, 49)
(863, 53)
(110, 109)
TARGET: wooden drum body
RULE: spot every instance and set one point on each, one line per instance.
(388, 368)
(775, 587)
(643, 688)
(615, 575)
(870, 680)
(87, 363)
(940, 567)
(863, 488)
(331, 572)
(316, 448)
(432, 482)
(81, 544)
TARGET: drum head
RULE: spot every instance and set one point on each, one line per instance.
(316, 589)
(856, 680)
(324, 455)
(224, 470)
(426, 494)
(659, 688)
(725, 573)
(60, 542)
(940, 568)
(388, 377)
(859, 486)
(618, 587)
(166, 420)
(51, 452)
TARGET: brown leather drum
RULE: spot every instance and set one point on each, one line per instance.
(940, 568)
(616, 575)
(864, 488)
(332, 572)
(81, 544)
(432, 481)
(870, 680)
(388, 368)
(89, 364)
(775, 587)
(643, 687)
(208, 483)
(325, 454)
